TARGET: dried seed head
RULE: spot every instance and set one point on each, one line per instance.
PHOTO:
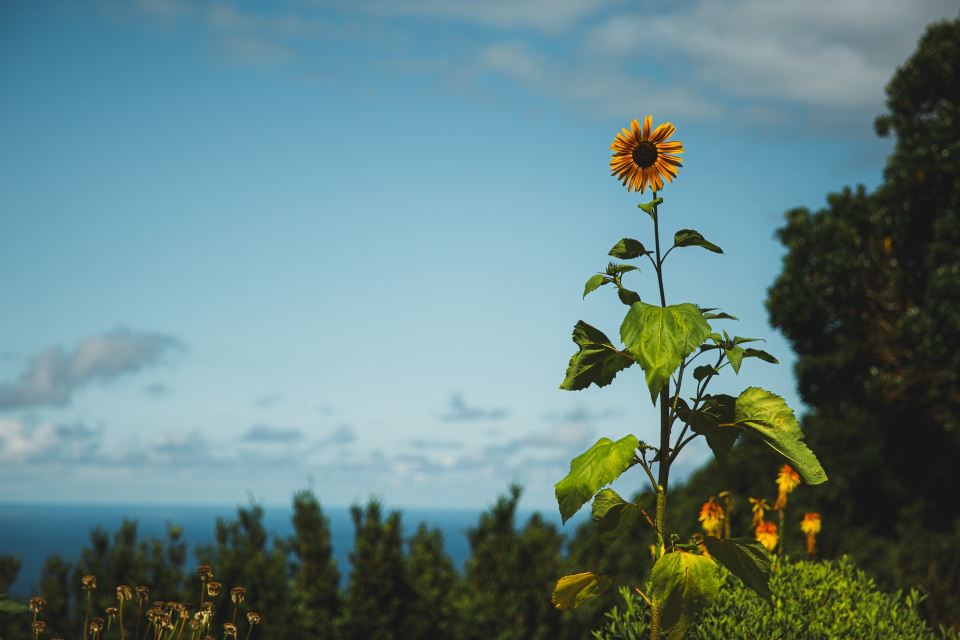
(237, 594)
(89, 582)
(159, 604)
(38, 627)
(96, 625)
(166, 622)
(205, 572)
(213, 588)
(111, 612)
(172, 606)
(194, 625)
(153, 614)
(230, 629)
(37, 604)
(207, 608)
(253, 618)
(124, 592)
(143, 592)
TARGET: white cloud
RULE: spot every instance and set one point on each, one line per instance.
(54, 375)
(21, 443)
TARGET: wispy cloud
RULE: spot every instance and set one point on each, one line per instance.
(264, 433)
(460, 411)
(55, 374)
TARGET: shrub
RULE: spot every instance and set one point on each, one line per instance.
(812, 601)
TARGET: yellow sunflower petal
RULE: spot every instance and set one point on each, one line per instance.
(647, 123)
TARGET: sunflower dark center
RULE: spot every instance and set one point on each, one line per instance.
(645, 154)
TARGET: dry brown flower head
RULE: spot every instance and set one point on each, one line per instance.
(229, 629)
(205, 572)
(237, 594)
(38, 626)
(143, 592)
(124, 592)
(96, 625)
(213, 589)
(89, 582)
(37, 604)
(111, 612)
(253, 618)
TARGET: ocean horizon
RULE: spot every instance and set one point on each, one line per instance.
(32, 532)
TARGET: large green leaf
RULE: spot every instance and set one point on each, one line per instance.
(745, 558)
(767, 416)
(597, 362)
(691, 238)
(572, 590)
(592, 470)
(9, 606)
(614, 516)
(628, 249)
(661, 337)
(713, 420)
(650, 207)
(684, 584)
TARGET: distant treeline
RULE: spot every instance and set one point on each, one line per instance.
(401, 585)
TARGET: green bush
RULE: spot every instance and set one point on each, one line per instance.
(812, 601)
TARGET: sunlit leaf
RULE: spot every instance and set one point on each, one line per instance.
(650, 206)
(572, 590)
(661, 337)
(759, 353)
(627, 249)
(592, 470)
(594, 283)
(684, 584)
(691, 238)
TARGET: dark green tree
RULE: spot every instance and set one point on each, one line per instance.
(434, 581)
(869, 298)
(379, 594)
(243, 555)
(315, 587)
(510, 575)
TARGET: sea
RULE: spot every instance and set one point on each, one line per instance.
(32, 532)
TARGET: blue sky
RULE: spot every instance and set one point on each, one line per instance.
(248, 244)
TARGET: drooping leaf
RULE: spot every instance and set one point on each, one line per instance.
(739, 340)
(597, 362)
(592, 470)
(719, 316)
(9, 606)
(715, 411)
(628, 297)
(691, 238)
(594, 283)
(661, 337)
(614, 268)
(628, 249)
(572, 590)
(768, 417)
(650, 206)
(745, 558)
(684, 584)
(759, 353)
(613, 515)
(735, 356)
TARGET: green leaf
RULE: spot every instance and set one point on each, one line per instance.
(735, 356)
(9, 606)
(628, 297)
(768, 417)
(745, 558)
(649, 207)
(684, 584)
(661, 337)
(628, 249)
(572, 590)
(719, 316)
(600, 465)
(627, 268)
(597, 362)
(759, 353)
(614, 516)
(691, 238)
(716, 410)
(594, 283)
(703, 371)
(739, 340)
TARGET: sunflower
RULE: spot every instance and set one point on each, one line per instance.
(641, 158)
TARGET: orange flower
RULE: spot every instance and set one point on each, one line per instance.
(711, 517)
(787, 481)
(641, 158)
(810, 525)
(759, 506)
(767, 535)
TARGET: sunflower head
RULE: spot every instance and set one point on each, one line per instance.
(641, 157)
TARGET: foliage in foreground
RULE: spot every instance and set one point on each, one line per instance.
(812, 601)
